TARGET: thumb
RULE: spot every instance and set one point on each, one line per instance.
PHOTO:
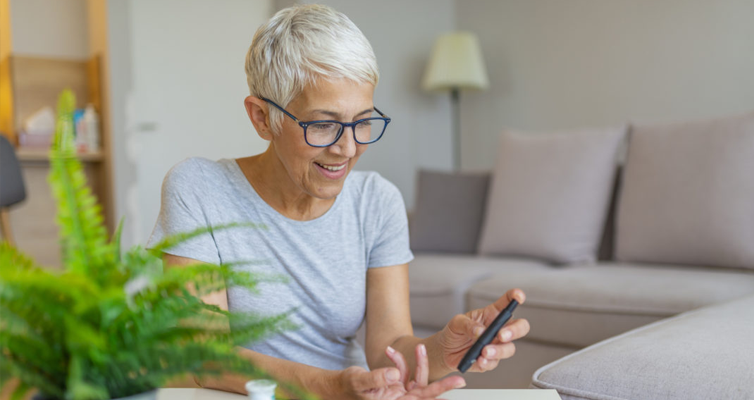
(377, 379)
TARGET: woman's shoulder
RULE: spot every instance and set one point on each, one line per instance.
(195, 173)
(195, 168)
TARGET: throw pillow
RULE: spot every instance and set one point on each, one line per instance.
(448, 212)
(550, 193)
(688, 194)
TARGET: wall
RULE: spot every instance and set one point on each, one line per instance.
(402, 34)
(121, 84)
(178, 90)
(50, 28)
(178, 83)
(560, 64)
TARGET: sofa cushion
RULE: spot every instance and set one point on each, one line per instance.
(448, 212)
(703, 354)
(550, 193)
(582, 305)
(688, 194)
(439, 283)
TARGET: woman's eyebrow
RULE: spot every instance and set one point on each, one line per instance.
(336, 115)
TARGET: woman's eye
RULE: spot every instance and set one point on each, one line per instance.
(323, 127)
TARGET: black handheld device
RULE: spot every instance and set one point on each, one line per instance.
(486, 337)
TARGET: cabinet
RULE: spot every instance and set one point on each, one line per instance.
(28, 83)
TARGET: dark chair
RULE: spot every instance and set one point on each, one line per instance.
(12, 190)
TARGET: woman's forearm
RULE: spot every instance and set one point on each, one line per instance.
(317, 381)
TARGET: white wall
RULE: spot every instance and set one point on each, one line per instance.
(121, 85)
(402, 34)
(49, 28)
(178, 90)
(178, 83)
(559, 64)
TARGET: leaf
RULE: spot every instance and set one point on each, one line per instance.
(13, 259)
(174, 240)
(83, 234)
(115, 241)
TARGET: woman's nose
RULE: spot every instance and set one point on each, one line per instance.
(346, 145)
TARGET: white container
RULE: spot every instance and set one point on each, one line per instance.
(91, 126)
(261, 389)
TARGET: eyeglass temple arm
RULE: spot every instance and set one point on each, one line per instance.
(281, 109)
(381, 113)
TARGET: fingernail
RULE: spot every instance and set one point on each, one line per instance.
(423, 349)
(507, 335)
(390, 350)
(491, 352)
(478, 331)
(393, 375)
(460, 385)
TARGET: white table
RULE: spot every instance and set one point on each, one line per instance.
(461, 394)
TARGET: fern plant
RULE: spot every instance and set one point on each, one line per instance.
(114, 324)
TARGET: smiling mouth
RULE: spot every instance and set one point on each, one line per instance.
(333, 168)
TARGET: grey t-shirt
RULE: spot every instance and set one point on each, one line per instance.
(326, 259)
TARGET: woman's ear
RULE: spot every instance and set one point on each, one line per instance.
(258, 113)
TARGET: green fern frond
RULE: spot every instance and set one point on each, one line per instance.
(12, 259)
(83, 235)
(115, 242)
(174, 240)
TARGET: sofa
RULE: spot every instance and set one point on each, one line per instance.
(634, 245)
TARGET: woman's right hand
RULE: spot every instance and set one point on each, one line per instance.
(393, 383)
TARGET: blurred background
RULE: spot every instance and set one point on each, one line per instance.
(167, 82)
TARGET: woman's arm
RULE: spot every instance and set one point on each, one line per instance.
(389, 324)
(388, 320)
(311, 379)
(350, 383)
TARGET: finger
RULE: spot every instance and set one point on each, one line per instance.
(422, 366)
(513, 330)
(483, 365)
(437, 388)
(513, 294)
(400, 362)
(498, 351)
(376, 379)
(502, 302)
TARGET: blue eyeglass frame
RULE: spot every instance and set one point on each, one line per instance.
(343, 125)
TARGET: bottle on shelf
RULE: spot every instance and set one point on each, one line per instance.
(91, 124)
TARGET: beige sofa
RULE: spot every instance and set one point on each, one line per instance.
(673, 233)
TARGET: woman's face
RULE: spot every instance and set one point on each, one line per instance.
(321, 171)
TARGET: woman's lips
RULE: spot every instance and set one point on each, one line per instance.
(332, 171)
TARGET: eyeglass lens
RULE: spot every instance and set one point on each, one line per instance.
(326, 132)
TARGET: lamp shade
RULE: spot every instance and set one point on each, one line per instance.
(456, 63)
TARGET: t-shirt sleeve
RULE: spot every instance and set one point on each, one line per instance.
(391, 246)
(181, 211)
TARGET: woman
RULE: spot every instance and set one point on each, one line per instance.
(341, 236)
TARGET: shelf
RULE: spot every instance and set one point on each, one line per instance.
(33, 154)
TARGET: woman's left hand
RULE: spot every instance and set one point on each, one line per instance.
(419, 388)
(464, 329)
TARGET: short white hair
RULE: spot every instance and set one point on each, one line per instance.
(300, 45)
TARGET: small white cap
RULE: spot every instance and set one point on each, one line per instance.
(261, 386)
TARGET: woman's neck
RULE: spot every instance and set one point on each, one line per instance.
(269, 178)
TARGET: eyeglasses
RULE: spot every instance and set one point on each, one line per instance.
(325, 133)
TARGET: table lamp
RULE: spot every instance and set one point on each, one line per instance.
(456, 64)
